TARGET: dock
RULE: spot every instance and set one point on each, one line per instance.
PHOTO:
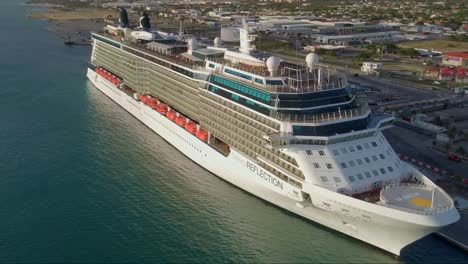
(456, 233)
(72, 39)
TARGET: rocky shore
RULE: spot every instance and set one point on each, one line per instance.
(73, 25)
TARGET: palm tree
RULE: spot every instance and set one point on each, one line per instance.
(451, 133)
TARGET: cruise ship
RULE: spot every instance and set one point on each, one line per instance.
(293, 134)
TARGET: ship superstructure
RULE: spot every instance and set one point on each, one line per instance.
(293, 134)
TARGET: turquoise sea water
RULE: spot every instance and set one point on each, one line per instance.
(83, 181)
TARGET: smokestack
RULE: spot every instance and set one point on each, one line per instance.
(145, 22)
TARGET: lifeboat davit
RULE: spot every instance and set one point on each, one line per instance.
(171, 115)
(181, 120)
(191, 127)
(202, 135)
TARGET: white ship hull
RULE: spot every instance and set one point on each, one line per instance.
(379, 227)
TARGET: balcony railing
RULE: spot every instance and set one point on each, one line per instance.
(324, 117)
(147, 53)
(425, 211)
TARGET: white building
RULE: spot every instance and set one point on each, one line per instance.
(371, 66)
(369, 38)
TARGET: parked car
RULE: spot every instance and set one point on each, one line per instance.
(453, 157)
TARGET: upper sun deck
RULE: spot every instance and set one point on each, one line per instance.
(287, 78)
(143, 51)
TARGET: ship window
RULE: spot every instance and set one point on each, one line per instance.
(374, 143)
(351, 163)
(351, 149)
(359, 147)
(337, 179)
(351, 178)
(336, 152)
(309, 152)
(344, 151)
(360, 177)
(374, 158)
(211, 65)
(367, 159)
(329, 165)
(359, 161)
(343, 165)
(316, 165)
(258, 80)
(368, 175)
(382, 156)
(324, 178)
(274, 82)
(390, 169)
(382, 170)
(238, 74)
(234, 97)
(321, 153)
(366, 145)
(375, 173)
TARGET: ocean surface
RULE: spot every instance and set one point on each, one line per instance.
(83, 181)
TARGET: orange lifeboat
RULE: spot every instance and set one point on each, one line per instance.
(152, 102)
(171, 115)
(180, 120)
(191, 127)
(202, 135)
(162, 108)
(143, 98)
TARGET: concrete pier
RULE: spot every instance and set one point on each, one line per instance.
(457, 232)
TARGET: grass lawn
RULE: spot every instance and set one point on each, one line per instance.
(439, 45)
(404, 67)
(85, 13)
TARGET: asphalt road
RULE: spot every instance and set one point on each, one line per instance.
(412, 143)
(403, 91)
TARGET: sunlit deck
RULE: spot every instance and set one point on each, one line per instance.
(416, 198)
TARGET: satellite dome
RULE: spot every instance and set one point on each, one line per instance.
(217, 42)
(273, 64)
(311, 59)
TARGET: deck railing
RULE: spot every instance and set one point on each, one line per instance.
(324, 117)
(426, 211)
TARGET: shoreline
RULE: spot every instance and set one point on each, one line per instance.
(73, 26)
(42, 5)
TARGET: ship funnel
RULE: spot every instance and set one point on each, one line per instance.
(145, 21)
(273, 64)
(192, 45)
(311, 60)
(123, 19)
(181, 28)
(217, 42)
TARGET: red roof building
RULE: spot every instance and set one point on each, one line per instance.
(456, 59)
